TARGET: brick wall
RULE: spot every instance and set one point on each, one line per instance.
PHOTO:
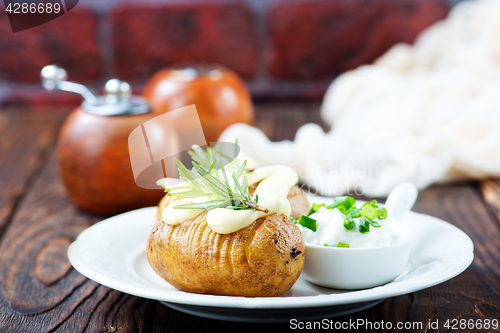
(282, 48)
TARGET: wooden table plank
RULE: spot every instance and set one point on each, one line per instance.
(25, 139)
(71, 303)
(490, 188)
(462, 205)
(44, 213)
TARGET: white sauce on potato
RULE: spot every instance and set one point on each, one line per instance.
(226, 221)
(275, 183)
(277, 179)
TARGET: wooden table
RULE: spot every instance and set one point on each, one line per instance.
(41, 292)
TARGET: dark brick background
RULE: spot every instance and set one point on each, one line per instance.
(311, 41)
(70, 40)
(281, 48)
(145, 39)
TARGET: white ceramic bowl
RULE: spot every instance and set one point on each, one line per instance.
(355, 268)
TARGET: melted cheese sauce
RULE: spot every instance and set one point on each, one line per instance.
(275, 183)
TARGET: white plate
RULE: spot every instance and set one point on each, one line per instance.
(112, 252)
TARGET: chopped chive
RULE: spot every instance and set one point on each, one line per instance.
(355, 212)
(382, 214)
(342, 203)
(364, 226)
(315, 208)
(373, 223)
(349, 224)
(340, 244)
(311, 211)
(367, 214)
(308, 222)
(369, 211)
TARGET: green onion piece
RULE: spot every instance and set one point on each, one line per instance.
(364, 226)
(315, 208)
(355, 212)
(311, 211)
(382, 214)
(340, 244)
(349, 224)
(292, 219)
(343, 204)
(369, 211)
(307, 222)
(349, 202)
(373, 223)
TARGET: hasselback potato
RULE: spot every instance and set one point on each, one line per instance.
(263, 259)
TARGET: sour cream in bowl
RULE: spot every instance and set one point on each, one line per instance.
(357, 248)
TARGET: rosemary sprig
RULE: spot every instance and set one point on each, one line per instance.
(207, 182)
(205, 157)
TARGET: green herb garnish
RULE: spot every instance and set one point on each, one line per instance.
(349, 222)
(343, 204)
(315, 208)
(371, 211)
(340, 244)
(224, 153)
(307, 222)
(207, 182)
(367, 214)
(364, 226)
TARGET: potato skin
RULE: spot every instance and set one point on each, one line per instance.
(299, 203)
(263, 259)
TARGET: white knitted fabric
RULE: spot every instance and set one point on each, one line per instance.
(424, 114)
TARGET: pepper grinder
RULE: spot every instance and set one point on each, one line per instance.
(92, 148)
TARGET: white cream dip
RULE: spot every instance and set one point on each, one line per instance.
(330, 230)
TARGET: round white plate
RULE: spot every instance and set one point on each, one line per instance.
(112, 252)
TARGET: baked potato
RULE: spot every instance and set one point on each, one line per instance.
(263, 259)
